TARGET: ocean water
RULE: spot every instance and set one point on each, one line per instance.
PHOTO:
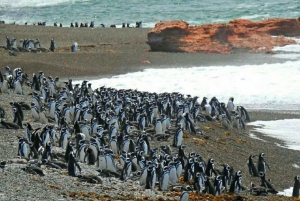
(149, 12)
(270, 86)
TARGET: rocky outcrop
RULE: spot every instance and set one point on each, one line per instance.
(261, 36)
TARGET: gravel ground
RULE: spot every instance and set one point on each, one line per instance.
(224, 146)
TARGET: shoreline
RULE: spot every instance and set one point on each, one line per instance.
(107, 52)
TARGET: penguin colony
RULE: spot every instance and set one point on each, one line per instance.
(138, 24)
(112, 130)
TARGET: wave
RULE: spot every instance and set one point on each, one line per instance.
(33, 3)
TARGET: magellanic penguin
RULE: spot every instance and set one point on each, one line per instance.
(225, 122)
(164, 180)
(178, 137)
(151, 178)
(261, 164)
(251, 167)
(126, 171)
(218, 184)
(185, 193)
(266, 184)
(34, 112)
(296, 187)
(73, 165)
(236, 184)
(52, 45)
(243, 113)
(230, 105)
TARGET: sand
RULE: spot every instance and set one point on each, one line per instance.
(110, 51)
(105, 52)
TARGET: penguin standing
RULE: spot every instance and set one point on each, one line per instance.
(251, 167)
(52, 45)
(210, 168)
(243, 113)
(261, 164)
(89, 157)
(185, 194)
(73, 165)
(34, 112)
(164, 180)
(178, 137)
(218, 185)
(151, 178)
(296, 186)
(236, 184)
(126, 171)
(173, 174)
(230, 105)
(199, 181)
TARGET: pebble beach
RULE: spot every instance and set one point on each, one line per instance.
(104, 52)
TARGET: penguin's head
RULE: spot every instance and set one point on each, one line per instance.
(261, 174)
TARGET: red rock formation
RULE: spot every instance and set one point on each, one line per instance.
(178, 36)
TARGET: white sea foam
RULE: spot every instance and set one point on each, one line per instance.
(286, 130)
(267, 86)
(286, 192)
(33, 3)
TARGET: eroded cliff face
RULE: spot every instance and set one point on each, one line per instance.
(262, 36)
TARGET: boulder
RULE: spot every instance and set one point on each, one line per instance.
(261, 36)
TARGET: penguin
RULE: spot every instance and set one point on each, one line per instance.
(230, 105)
(32, 169)
(158, 126)
(81, 151)
(226, 179)
(126, 171)
(189, 170)
(164, 180)
(110, 162)
(185, 194)
(52, 45)
(178, 137)
(9, 125)
(3, 165)
(43, 119)
(73, 165)
(236, 184)
(251, 167)
(151, 178)
(113, 144)
(89, 157)
(34, 112)
(261, 164)
(210, 168)
(172, 173)
(218, 185)
(238, 123)
(90, 178)
(23, 148)
(225, 122)
(266, 184)
(143, 175)
(143, 146)
(296, 186)
(69, 149)
(243, 113)
(47, 154)
(63, 140)
(18, 86)
(199, 181)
